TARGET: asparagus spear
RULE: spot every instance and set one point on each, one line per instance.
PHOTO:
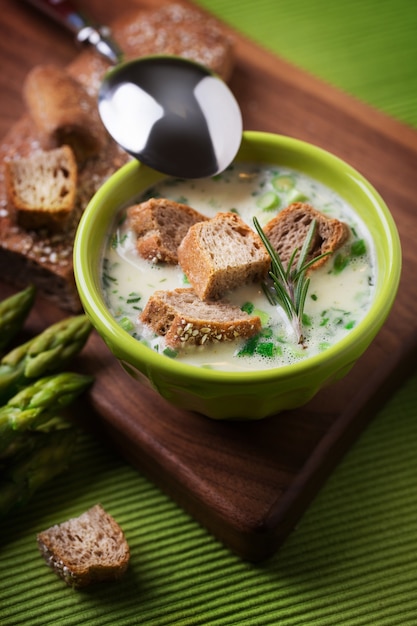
(26, 473)
(46, 353)
(13, 312)
(36, 441)
(37, 407)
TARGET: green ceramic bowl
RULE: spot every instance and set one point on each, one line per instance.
(240, 395)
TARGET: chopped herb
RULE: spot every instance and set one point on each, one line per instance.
(107, 279)
(133, 298)
(339, 263)
(306, 320)
(247, 307)
(324, 321)
(170, 352)
(116, 240)
(249, 347)
(314, 297)
(358, 248)
(266, 348)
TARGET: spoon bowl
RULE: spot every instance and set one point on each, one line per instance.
(172, 114)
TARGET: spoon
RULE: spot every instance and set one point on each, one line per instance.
(170, 113)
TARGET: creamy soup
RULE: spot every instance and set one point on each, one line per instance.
(339, 295)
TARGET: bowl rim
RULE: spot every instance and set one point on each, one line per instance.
(131, 349)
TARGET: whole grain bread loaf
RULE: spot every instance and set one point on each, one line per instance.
(288, 230)
(183, 319)
(87, 549)
(160, 225)
(221, 254)
(42, 258)
(42, 188)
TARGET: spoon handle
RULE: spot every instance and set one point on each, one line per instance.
(66, 14)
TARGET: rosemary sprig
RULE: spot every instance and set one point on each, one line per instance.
(290, 285)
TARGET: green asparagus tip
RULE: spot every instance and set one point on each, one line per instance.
(13, 313)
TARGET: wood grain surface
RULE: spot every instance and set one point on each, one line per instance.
(248, 483)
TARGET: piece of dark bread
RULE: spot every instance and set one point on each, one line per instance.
(160, 225)
(221, 254)
(183, 319)
(44, 259)
(86, 549)
(288, 230)
(42, 188)
(63, 111)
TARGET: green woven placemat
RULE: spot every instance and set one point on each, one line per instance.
(351, 561)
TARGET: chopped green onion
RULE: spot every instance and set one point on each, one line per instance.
(268, 201)
(283, 182)
(263, 316)
(324, 345)
(296, 196)
(126, 324)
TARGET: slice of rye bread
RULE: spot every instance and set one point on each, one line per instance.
(160, 225)
(44, 259)
(221, 254)
(183, 319)
(42, 188)
(287, 231)
(86, 549)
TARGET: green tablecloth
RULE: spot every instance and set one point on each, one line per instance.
(352, 559)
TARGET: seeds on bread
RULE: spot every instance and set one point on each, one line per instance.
(160, 225)
(221, 254)
(288, 230)
(183, 319)
(86, 549)
(42, 188)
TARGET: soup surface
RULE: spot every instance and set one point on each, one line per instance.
(340, 292)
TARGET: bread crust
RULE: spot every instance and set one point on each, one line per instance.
(63, 111)
(183, 319)
(160, 225)
(221, 254)
(85, 550)
(42, 188)
(288, 230)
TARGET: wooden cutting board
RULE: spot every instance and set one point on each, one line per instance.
(249, 483)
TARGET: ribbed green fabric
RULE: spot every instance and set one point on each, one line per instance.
(352, 559)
